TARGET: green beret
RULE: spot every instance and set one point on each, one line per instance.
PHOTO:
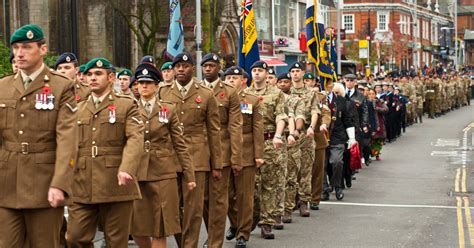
(27, 33)
(98, 63)
(82, 68)
(308, 75)
(125, 72)
(167, 66)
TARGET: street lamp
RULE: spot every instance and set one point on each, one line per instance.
(455, 46)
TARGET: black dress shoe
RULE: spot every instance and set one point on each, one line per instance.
(348, 184)
(230, 234)
(313, 206)
(241, 243)
(339, 194)
(325, 196)
(206, 244)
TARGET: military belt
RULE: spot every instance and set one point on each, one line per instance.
(26, 148)
(95, 151)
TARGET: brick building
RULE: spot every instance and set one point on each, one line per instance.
(466, 30)
(392, 28)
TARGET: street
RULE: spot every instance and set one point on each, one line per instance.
(417, 196)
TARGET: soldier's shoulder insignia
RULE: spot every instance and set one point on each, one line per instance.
(71, 108)
(137, 120)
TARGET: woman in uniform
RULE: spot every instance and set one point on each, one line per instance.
(156, 215)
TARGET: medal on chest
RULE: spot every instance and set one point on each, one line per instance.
(246, 108)
(163, 115)
(45, 100)
(112, 108)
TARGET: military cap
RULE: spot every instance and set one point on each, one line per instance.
(233, 70)
(296, 65)
(27, 33)
(133, 79)
(125, 72)
(167, 66)
(210, 57)
(259, 64)
(271, 71)
(362, 83)
(308, 75)
(65, 58)
(385, 84)
(82, 68)
(284, 76)
(350, 76)
(377, 85)
(148, 73)
(246, 75)
(147, 59)
(101, 63)
(183, 57)
(380, 78)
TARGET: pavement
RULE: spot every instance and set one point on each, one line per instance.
(419, 195)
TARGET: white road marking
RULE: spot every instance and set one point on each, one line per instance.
(388, 205)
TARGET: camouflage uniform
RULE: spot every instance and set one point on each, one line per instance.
(430, 96)
(270, 181)
(295, 109)
(307, 145)
(420, 99)
(439, 89)
(460, 92)
(468, 85)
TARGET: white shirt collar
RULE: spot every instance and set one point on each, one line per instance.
(101, 98)
(33, 75)
(214, 83)
(187, 87)
(151, 101)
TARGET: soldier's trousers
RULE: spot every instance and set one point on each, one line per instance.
(216, 203)
(40, 228)
(304, 172)
(336, 153)
(271, 188)
(293, 165)
(419, 114)
(317, 175)
(115, 219)
(241, 194)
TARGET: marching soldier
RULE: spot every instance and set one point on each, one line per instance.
(124, 77)
(304, 131)
(37, 133)
(216, 197)
(430, 96)
(67, 65)
(295, 111)
(420, 99)
(198, 113)
(168, 73)
(110, 148)
(156, 215)
(241, 188)
(272, 172)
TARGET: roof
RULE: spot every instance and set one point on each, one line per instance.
(469, 34)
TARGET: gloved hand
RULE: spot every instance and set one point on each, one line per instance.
(351, 134)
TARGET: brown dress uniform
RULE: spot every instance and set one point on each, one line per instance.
(321, 145)
(105, 148)
(37, 152)
(216, 197)
(82, 91)
(241, 188)
(197, 112)
(157, 213)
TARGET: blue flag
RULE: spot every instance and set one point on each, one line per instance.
(318, 46)
(175, 43)
(248, 45)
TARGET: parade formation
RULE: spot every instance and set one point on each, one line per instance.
(166, 151)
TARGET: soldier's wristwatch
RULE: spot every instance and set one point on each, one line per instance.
(278, 136)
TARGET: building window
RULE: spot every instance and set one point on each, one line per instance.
(434, 33)
(302, 16)
(382, 22)
(263, 19)
(403, 26)
(292, 22)
(324, 12)
(348, 23)
(281, 17)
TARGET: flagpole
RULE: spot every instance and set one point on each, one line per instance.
(198, 41)
(340, 3)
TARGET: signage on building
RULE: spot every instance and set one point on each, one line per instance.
(363, 49)
(265, 48)
(281, 42)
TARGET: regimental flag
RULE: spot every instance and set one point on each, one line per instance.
(175, 43)
(248, 45)
(318, 45)
(333, 55)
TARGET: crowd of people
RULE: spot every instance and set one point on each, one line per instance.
(164, 151)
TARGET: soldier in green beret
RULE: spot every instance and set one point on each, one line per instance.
(124, 77)
(80, 75)
(38, 137)
(168, 73)
(309, 80)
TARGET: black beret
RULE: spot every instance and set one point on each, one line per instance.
(183, 57)
(210, 57)
(65, 58)
(271, 71)
(133, 79)
(147, 72)
(246, 75)
(259, 64)
(296, 65)
(233, 70)
(147, 59)
(284, 76)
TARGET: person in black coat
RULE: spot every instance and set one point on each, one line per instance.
(341, 131)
